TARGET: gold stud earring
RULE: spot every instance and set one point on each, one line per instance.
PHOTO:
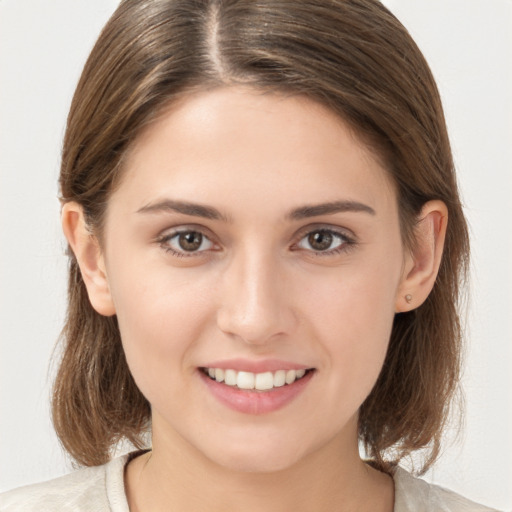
(408, 298)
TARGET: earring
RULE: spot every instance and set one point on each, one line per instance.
(408, 298)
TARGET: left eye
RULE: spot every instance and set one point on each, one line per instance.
(187, 242)
(322, 240)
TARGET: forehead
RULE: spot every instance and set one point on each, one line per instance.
(234, 142)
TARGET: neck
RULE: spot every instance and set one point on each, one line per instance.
(173, 476)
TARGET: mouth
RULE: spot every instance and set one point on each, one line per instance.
(265, 381)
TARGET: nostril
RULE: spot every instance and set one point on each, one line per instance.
(259, 325)
(254, 307)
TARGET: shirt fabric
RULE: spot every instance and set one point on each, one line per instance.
(101, 489)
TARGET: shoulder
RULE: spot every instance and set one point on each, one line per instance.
(99, 488)
(414, 494)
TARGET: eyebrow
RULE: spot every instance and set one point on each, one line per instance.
(331, 208)
(208, 212)
(184, 207)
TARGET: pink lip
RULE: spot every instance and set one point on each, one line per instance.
(246, 365)
(252, 401)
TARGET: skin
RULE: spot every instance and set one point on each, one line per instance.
(256, 289)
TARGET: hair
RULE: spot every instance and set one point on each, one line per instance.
(352, 56)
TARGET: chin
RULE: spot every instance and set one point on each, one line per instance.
(256, 455)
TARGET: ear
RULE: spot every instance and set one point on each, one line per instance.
(423, 260)
(90, 259)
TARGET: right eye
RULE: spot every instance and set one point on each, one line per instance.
(185, 243)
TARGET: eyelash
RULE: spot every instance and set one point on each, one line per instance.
(347, 242)
(163, 241)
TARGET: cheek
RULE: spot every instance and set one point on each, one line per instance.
(353, 317)
(355, 299)
(160, 316)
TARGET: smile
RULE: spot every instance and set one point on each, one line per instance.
(265, 381)
(256, 392)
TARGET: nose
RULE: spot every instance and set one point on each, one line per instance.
(254, 304)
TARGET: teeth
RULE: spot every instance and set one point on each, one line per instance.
(279, 378)
(259, 381)
(245, 380)
(264, 381)
(229, 377)
(291, 375)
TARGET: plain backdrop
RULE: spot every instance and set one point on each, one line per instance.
(43, 46)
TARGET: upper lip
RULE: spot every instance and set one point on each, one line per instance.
(254, 366)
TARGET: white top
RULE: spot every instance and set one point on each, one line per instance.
(101, 489)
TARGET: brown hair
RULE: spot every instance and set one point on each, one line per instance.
(354, 57)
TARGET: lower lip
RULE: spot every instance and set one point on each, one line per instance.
(256, 402)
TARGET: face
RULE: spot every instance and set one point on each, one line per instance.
(252, 241)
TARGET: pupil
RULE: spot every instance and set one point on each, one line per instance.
(320, 240)
(190, 241)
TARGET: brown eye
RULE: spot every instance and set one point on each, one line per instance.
(324, 241)
(320, 240)
(190, 241)
(186, 243)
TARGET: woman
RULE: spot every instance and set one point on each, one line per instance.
(267, 245)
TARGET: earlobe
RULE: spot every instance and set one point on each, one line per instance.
(90, 259)
(424, 259)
